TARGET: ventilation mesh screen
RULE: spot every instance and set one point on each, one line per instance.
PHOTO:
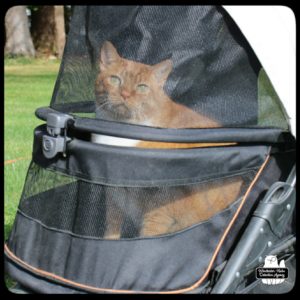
(115, 212)
(212, 69)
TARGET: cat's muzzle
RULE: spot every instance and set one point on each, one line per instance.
(108, 110)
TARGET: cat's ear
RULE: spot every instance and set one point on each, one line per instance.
(108, 54)
(162, 70)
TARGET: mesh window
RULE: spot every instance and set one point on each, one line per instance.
(114, 212)
(133, 64)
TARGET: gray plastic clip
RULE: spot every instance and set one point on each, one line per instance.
(57, 139)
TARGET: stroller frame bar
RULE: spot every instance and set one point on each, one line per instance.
(261, 236)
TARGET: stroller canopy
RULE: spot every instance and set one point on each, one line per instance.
(214, 70)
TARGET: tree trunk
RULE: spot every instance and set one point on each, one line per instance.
(43, 30)
(18, 39)
(48, 30)
(60, 29)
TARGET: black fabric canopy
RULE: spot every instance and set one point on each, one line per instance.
(214, 70)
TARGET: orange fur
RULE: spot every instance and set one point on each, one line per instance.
(125, 102)
(162, 145)
(132, 92)
(191, 209)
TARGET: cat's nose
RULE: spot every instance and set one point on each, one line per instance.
(125, 94)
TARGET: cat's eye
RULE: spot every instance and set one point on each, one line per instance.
(142, 88)
(115, 80)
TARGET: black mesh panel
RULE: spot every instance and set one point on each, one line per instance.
(115, 212)
(214, 70)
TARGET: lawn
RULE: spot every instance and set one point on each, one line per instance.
(28, 84)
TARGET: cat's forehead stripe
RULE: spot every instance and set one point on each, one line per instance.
(133, 76)
(136, 67)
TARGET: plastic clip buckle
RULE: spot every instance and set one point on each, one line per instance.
(56, 141)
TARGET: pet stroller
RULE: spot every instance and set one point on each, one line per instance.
(77, 189)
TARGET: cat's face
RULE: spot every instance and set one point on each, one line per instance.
(129, 91)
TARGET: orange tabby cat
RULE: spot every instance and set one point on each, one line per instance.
(133, 92)
(129, 91)
(200, 205)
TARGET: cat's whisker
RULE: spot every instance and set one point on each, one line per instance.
(106, 102)
(139, 114)
(116, 101)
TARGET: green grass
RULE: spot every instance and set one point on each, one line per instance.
(28, 85)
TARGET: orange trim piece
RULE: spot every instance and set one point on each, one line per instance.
(51, 275)
(195, 285)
